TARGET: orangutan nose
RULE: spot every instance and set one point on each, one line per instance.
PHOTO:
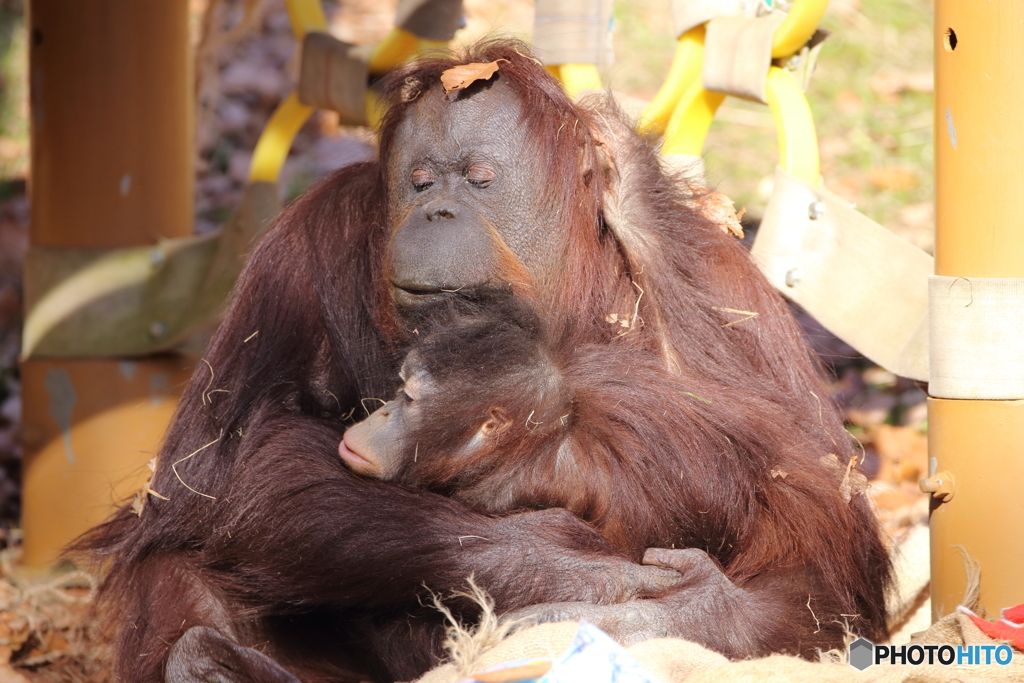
(440, 209)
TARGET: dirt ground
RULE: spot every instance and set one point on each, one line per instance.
(246, 61)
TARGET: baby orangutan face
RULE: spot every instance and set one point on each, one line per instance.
(388, 443)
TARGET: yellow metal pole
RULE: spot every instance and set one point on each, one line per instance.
(979, 144)
(112, 166)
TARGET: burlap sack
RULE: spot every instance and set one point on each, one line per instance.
(670, 659)
(674, 661)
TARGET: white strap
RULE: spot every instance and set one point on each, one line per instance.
(977, 332)
(737, 54)
(573, 31)
(430, 19)
(687, 14)
(860, 281)
(333, 75)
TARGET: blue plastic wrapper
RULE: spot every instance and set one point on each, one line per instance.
(593, 657)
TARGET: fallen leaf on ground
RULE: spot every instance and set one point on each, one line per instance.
(873, 411)
(893, 178)
(888, 85)
(903, 452)
(9, 675)
(920, 214)
(849, 102)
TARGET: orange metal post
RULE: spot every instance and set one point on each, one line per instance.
(979, 145)
(112, 166)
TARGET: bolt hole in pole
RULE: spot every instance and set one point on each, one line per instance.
(949, 40)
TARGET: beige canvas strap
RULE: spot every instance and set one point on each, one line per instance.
(133, 301)
(860, 281)
(737, 54)
(977, 337)
(334, 75)
(430, 19)
(737, 44)
(573, 31)
(687, 14)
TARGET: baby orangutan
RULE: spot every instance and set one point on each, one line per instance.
(492, 414)
(477, 395)
(504, 415)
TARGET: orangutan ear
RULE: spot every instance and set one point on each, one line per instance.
(411, 89)
(497, 422)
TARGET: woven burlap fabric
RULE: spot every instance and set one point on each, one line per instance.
(674, 661)
(670, 659)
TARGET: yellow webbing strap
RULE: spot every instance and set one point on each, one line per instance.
(394, 50)
(306, 16)
(862, 282)
(397, 47)
(690, 121)
(685, 70)
(682, 110)
(801, 22)
(794, 126)
(577, 78)
(275, 141)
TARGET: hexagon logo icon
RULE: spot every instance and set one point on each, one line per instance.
(862, 654)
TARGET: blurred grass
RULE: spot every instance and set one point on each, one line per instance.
(870, 95)
(13, 90)
(643, 47)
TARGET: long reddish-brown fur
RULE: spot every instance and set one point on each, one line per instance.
(266, 537)
(651, 458)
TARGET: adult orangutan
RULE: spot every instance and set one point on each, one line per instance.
(265, 559)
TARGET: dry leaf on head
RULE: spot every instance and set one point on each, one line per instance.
(831, 461)
(719, 208)
(854, 483)
(462, 76)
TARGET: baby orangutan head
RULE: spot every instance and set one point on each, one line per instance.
(471, 388)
